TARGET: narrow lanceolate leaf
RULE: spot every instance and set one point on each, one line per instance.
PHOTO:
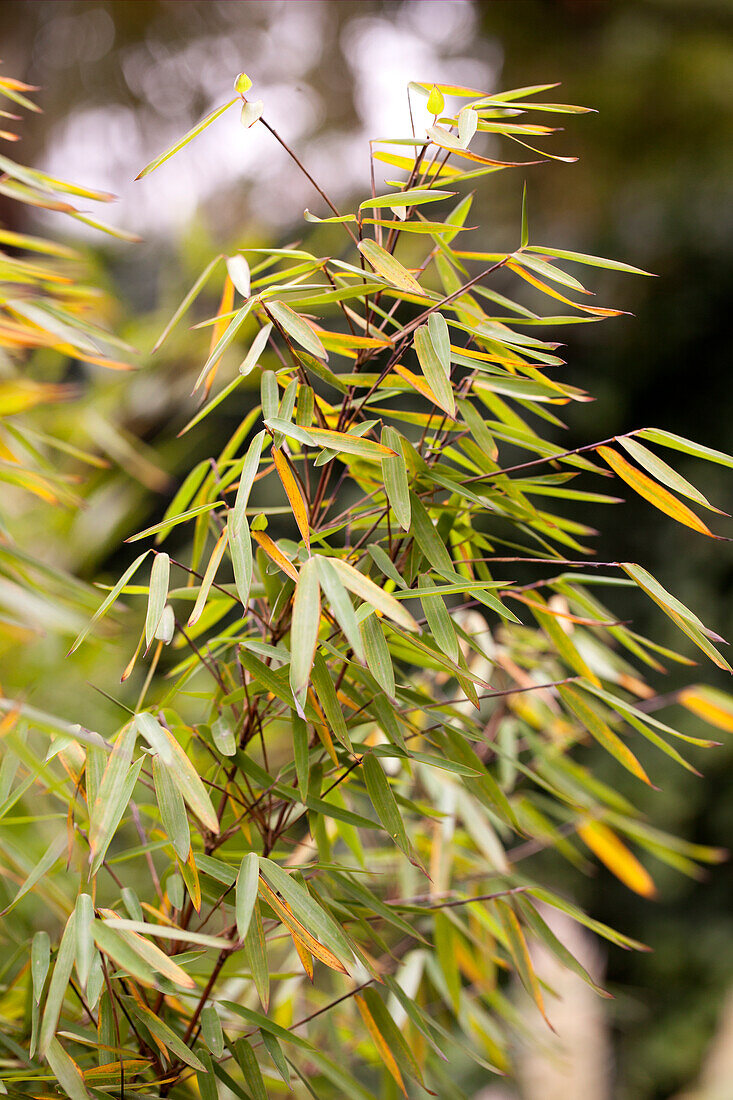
(214, 561)
(240, 551)
(340, 604)
(183, 773)
(307, 910)
(223, 342)
(383, 1048)
(172, 808)
(655, 494)
(603, 734)
(414, 196)
(385, 264)
(58, 985)
(165, 932)
(44, 865)
(255, 952)
(294, 494)
(211, 1030)
(40, 959)
(679, 443)
(439, 620)
(66, 1071)
(377, 655)
(247, 477)
(297, 328)
(172, 1042)
(384, 802)
(664, 473)
(348, 444)
(110, 803)
(194, 132)
(246, 892)
(372, 594)
(189, 298)
(304, 630)
(467, 125)
(84, 910)
(435, 370)
(620, 861)
(275, 554)
(396, 484)
(109, 600)
(256, 348)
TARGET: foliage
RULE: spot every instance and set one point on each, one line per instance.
(299, 862)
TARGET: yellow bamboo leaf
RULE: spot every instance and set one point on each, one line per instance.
(597, 311)
(283, 910)
(384, 1052)
(658, 496)
(275, 554)
(616, 856)
(294, 494)
(710, 705)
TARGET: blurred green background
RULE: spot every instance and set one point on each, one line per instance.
(122, 79)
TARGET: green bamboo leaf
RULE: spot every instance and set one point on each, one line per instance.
(255, 952)
(194, 132)
(394, 471)
(308, 911)
(378, 659)
(385, 264)
(663, 472)
(525, 225)
(212, 1031)
(84, 910)
(169, 523)
(189, 298)
(44, 865)
(245, 1056)
(428, 538)
(66, 1071)
(340, 603)
(172, 1042)
(40, 959)
(328, 699)
(224, 341)
(297, 328)
(109, 600)
(256, 1019)
(247, 478)
(58, 985)
(436, 373)
(679, 443)
(273, 1048)
(246, 892)
(157, 595)
(256, 348)
(304, 631)
(439, 620)
(444, 935)
(189, 783)
(592, 261)
(113, 795)
(384, 802)
(414, 196)
(165, 932)
(172, 809)
(239, 542)
(373, 595)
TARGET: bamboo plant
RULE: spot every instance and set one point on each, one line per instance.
(303, 863)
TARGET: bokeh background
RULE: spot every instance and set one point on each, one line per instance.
(121, 79)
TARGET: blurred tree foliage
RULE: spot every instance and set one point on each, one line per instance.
(653, 186)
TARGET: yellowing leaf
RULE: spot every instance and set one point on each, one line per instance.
(386, 265)
(711, 705)
(294, 494)
(655, 494)
(382, 1047)
(275, 554)
(620, 861)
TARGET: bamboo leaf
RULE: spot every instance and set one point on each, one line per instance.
(435, 370)
(376, 651)
(652, 492)
(297, 328)
(304, 630)
(371, 594)
(246, 892)
(664, 473)
(620, 861)
(394, 471)
(380, 1043)
(294, 494)
(172, 808)
(66, 1071)
(109, 600)
(340, 603)
(385, 264)
(212, 1031)
(414, 196)
(58, 986)
(194, 132)
(383, 801)
(208, 579)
